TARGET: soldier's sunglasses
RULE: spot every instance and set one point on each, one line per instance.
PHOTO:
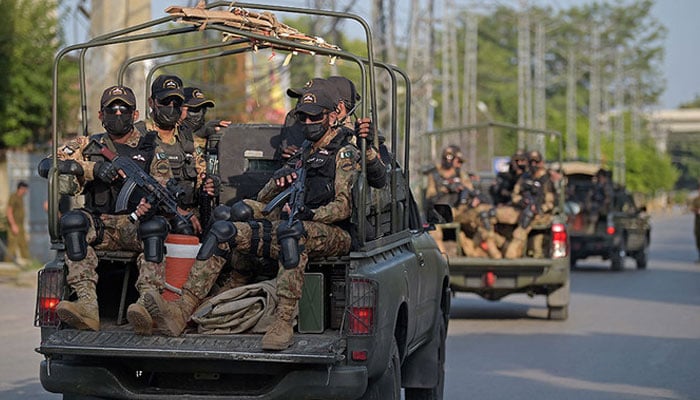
(118, 107)
(303, 117)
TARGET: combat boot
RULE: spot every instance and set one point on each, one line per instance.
(279, 335)
(83, 313)
(139, 318)
(171, 317)
(492, 248)
(517, 244)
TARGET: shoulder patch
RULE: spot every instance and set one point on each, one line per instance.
(161, 156)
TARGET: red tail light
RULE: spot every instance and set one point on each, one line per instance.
(559, 241)
(610, 230)
(49, 294)
(362, 305)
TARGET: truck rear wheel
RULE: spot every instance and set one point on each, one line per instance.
(617, 262)
(388, 386)
(642, 257)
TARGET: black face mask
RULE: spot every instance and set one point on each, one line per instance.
(166, 117)
(315, 131)
(118, 125)
(194, 120)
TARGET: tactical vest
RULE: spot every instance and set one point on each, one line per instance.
(101, 197)
(182, 163)
(320, 173)
(452, 196)
(536, 187)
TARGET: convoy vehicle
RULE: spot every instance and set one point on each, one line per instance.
(622, 231)
(370, 323)
(494, 279)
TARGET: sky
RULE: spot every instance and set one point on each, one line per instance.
(681, 66)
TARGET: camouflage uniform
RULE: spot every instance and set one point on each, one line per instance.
(323, 237)
(118, 233)
(543, 216)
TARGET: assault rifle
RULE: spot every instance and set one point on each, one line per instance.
(294, 194)
(533, 194)
(159, 197)
(290, 231)
(206, 203)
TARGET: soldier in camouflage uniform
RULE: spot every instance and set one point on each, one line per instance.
(186, 161)
(332, 166)
(534, 197)
(97, 226)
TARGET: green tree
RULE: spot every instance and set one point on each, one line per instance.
(28, 42)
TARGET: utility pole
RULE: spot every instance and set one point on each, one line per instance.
(470, 76)
(104, 17)
(594, 153)
(539, 92)
(571, 140)
(524, 73)
(619, 132)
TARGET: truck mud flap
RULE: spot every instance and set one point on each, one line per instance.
(307, 348)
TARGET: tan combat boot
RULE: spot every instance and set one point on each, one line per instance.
(279, 335)
(139, 318)
(83, 313)
(492, 248)
(517, 244)
(171, 317)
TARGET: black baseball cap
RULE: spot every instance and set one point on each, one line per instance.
(194, 97)
(165, 86)
(296, 93)
(346, 90)
(118, 92)
(320, 96)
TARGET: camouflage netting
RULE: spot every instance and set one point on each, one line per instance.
(262, 23)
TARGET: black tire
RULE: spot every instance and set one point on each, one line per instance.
(436, 392)
(642, 257)
(388, 386)
(617, 262)
(558, 313)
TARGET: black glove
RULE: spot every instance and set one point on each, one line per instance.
(105, 171)
(305, 214)
(282, 172)
(370, 133)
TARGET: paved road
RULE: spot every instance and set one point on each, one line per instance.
(630, 335)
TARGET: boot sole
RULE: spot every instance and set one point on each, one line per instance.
(77, 322)
(143, 325)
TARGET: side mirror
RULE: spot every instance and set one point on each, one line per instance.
(440, 214)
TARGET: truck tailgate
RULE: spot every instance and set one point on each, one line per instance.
(325, 348)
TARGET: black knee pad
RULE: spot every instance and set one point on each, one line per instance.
(486, 219)
(74, 228)
(181, 226)
(220, 232)
(221, 213)
(241, 212)
(288, 236)
(153, 233)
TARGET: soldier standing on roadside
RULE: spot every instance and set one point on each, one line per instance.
(16, 234)
(331, 166)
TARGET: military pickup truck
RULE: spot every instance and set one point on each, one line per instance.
(370, 323)
(604, 222)
(494, 279)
